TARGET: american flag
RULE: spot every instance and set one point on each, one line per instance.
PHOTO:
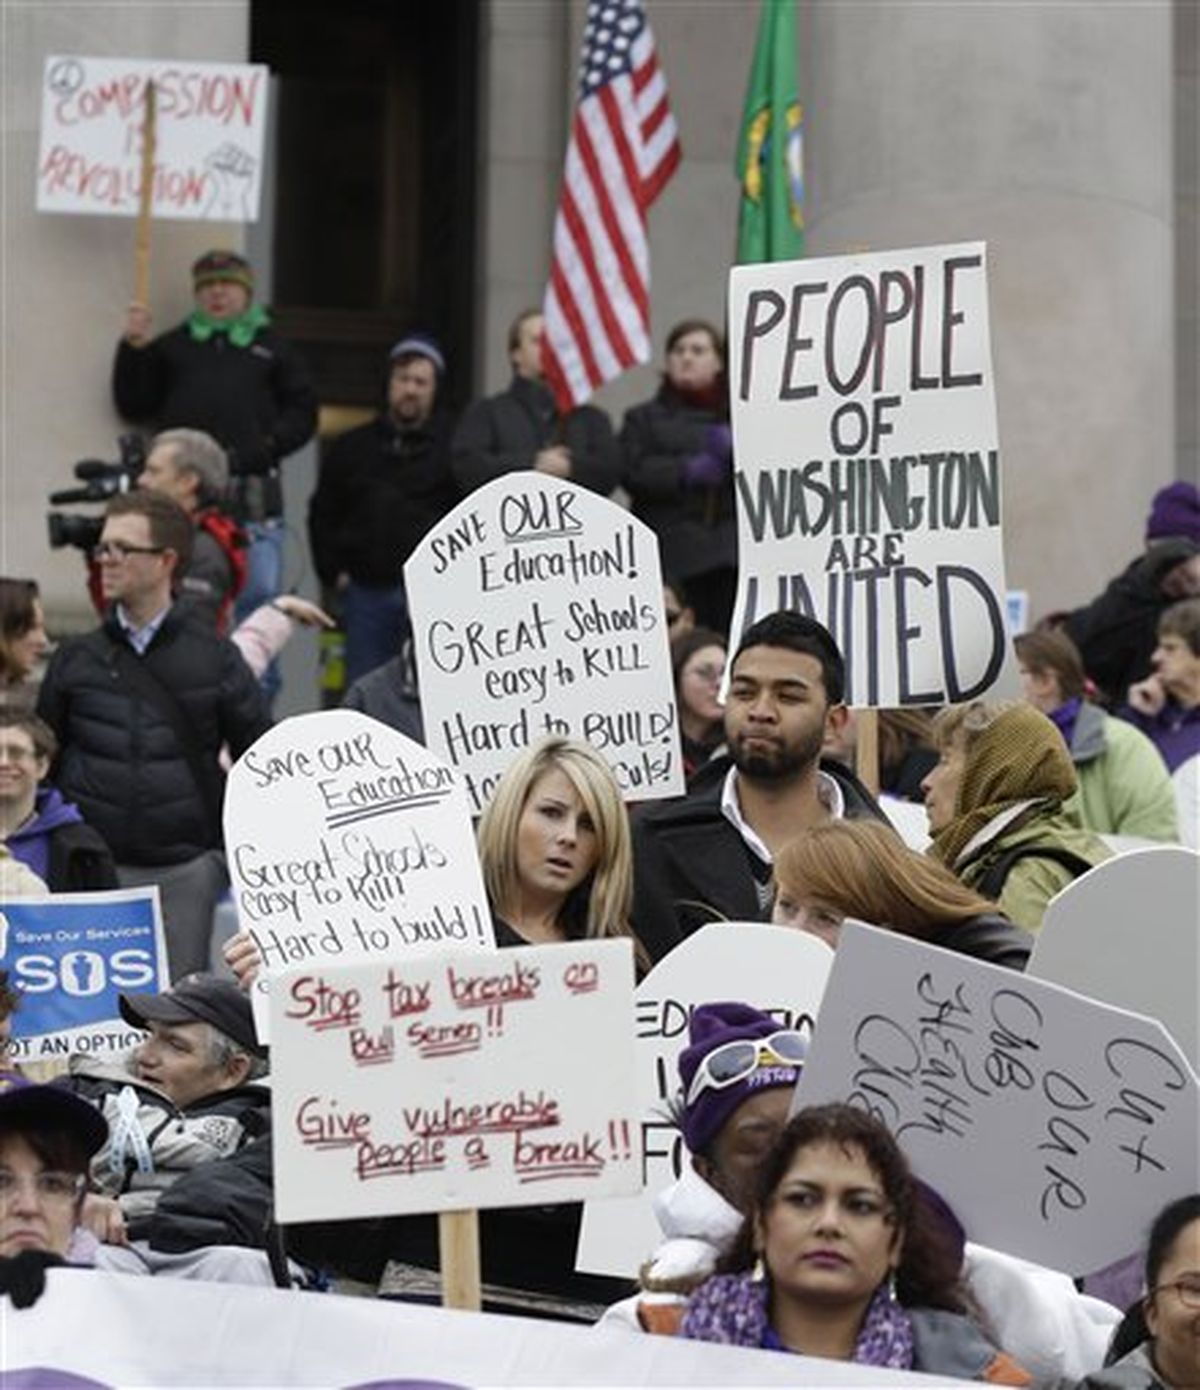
(624, 147)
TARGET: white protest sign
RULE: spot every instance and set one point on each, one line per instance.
(1128, 933)
(92, 1331)
(452, 1080)
(1057, 1127)
(208, 155)
(779, 971)
(868, 465)
(537, 609)
(345, 839)
(72, 955)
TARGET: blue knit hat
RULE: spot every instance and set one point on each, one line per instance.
(420, 345)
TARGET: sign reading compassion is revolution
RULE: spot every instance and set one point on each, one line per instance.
(209, 124)
(346, 839)
(444, 1081)
(868, 465)
(537, 609)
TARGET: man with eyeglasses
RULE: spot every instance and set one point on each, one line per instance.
(141, 707)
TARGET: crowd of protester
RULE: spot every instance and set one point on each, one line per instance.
(806, 1235)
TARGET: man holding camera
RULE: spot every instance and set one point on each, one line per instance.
(190, 467)
(141, 707)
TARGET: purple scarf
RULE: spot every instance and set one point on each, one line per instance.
(1065, 716)
(732, 1308)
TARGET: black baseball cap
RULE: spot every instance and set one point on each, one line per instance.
(197, 999)
(31, 1107)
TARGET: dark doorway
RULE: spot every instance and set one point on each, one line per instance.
(374, 212)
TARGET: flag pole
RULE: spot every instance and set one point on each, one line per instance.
(141, 251)
(866, 748)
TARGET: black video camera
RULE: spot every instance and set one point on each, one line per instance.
(101, 480)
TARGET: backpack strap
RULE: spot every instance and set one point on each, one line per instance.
(991, 885)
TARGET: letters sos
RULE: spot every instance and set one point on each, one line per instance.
(84, 973)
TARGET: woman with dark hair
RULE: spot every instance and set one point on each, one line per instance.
(23, 639)
(678, 468)
(698, 665)
(863, 870)
(1157, 1345)
(839, 1259)
(1124, 786)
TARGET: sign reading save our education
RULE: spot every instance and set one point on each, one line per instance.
(71, 955)
(209, 124)
(868, 465)
(345, 839)
(780, 972)
(537, 609)
(1057, 1127)
(452, 1080)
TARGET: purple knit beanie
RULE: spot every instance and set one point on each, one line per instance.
(710, 1026)
(1174, 513)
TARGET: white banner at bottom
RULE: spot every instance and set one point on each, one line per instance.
(109, 1330)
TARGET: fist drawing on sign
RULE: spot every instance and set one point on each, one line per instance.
(231, 174)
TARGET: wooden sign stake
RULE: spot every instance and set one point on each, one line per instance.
(458, 1250)
(141, 253)
(866, 748)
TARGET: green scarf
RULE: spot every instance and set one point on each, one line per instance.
(241, 330)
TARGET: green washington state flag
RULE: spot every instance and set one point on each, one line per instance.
(770, 155)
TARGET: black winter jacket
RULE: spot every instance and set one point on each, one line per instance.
(989, 937)
(380, 489)
(1117, 631)
(696, 527)
(257, 401)
(80, 861)
(119, 758)
(503, 433)
(690, 865)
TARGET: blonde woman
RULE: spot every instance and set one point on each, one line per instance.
(555, 850)
(863, 870)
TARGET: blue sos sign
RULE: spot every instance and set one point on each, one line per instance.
(72, 954)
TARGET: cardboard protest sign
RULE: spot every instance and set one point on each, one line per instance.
(779, 971)
(455, 1080)
(345, 839)
(868, 465)
(208, 147)
(1128, 933)
(537, 609)
(1057, 1127)
(71, 955)
(91, 1330)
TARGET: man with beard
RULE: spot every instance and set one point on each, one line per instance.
(708, 857)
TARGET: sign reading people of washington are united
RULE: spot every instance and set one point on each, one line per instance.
(868, 465)
(537, 609)
(347, 840)
(208, 146)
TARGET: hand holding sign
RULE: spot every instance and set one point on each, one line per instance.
(346, 839)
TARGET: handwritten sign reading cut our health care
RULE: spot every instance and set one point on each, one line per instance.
(537, 608)
(208, 153)
(475, 1079)
(1057, 1127)
(868, 465)
(780, 972)
(346, 839)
